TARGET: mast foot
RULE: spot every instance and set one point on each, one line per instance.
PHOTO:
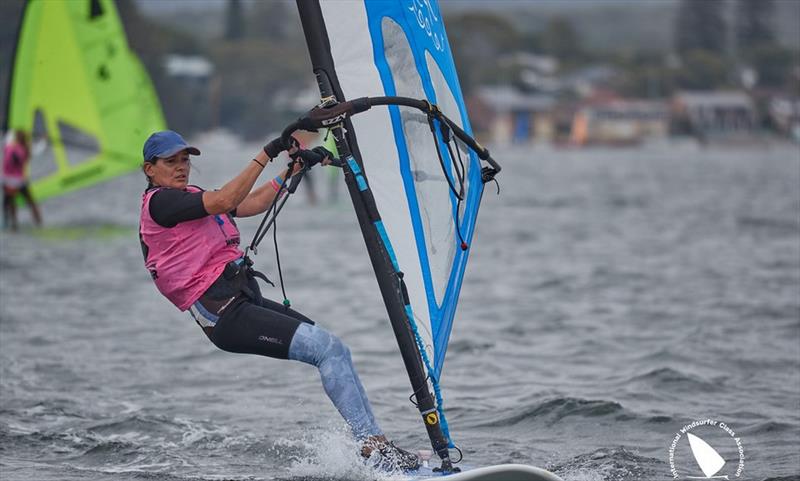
(447, 467)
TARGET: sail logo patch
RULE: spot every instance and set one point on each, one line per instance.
(712, 448)
(428, 21)
(431, 418)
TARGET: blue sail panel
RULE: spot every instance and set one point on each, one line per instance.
(400, 47)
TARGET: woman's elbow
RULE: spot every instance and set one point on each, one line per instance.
(247, 208)
(218, 204)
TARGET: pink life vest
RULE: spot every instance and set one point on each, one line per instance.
(15, 156)
(186, 259)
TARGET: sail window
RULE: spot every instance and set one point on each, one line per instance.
(79, 145)
(95, 9)
(431, 191)
(447, 104)
(43, 162)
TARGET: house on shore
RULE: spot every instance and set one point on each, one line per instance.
(619, 122)
(714, 114)
(199, 87)
(503, 114)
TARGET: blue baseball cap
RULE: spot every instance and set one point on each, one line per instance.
(166, 143)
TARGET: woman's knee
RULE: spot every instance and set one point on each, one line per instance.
(313, 345)
(340, 350)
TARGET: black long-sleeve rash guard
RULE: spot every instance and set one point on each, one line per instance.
(168, 207)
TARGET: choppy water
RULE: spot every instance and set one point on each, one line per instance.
(612, 298)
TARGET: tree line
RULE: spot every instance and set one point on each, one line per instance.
(716, 42)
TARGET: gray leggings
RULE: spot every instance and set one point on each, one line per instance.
(264, 327)
(318, 347)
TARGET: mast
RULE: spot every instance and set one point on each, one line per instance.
(387, 272)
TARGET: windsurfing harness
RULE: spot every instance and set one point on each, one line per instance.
(185, 260)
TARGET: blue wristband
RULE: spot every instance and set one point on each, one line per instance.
(279, 180)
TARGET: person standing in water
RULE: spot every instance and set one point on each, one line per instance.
(16, 155)
(190, 244)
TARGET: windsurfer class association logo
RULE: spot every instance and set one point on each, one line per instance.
(713, 445)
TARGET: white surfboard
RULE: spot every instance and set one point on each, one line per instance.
(500, 472)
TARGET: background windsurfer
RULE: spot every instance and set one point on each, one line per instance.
(190, 244)
(16, 155)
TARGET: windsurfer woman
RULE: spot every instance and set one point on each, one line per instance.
(15, 158)
(191, 248)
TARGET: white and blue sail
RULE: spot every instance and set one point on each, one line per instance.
(400, 48)
(417, 210)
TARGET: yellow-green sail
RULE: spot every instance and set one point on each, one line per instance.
(76, 81)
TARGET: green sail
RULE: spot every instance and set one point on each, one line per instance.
(77, 83)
